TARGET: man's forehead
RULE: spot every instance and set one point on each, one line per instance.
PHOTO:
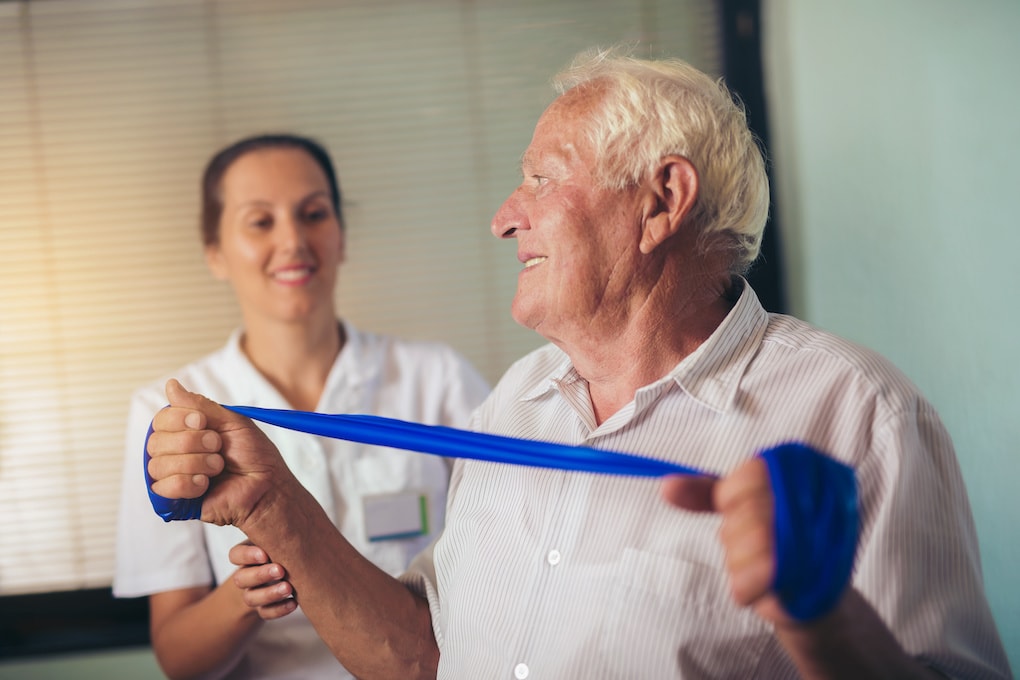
(554, 142)
(558, 154)
(559, 132)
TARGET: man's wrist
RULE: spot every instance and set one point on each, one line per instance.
(851, 641)
(268, 515)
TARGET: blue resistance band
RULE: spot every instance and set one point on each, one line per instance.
(816, 504)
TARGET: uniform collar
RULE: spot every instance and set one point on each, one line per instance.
(351, 370)
(354, 367)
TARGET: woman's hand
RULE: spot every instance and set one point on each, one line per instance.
(262, 582)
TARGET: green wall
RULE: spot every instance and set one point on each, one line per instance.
(133, 664)
(896, 134)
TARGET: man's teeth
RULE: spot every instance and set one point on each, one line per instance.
(292, 274)
(531, 262)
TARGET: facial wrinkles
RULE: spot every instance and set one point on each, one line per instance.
(613, 296)
(568, 215)
(550, 164)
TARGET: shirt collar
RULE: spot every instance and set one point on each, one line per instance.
(563, 374)
(711, 374)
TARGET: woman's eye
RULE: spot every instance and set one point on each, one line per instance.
(317, 215)
(262, 223)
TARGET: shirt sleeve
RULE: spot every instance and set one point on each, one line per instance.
(918, 561)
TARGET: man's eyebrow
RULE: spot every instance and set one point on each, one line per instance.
(550, 158)
(525, 160)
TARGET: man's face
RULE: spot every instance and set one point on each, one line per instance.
(578, 243)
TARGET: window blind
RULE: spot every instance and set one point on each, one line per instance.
(109, 110)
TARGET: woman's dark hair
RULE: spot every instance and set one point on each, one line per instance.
(212, 204)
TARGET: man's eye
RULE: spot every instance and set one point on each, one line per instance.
(539, 179)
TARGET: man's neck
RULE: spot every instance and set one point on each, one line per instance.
(645, 346)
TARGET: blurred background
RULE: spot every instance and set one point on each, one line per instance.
(892, 134)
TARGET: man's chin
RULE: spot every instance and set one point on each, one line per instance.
(524, 316)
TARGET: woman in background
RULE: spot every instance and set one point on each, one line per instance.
(272, 227)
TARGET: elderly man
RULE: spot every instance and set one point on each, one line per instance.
(643, 199)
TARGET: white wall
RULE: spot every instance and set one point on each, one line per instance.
(895, 140)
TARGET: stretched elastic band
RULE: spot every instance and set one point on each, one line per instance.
(816, 506)
(454, 443)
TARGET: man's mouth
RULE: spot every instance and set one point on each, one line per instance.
(532, 261)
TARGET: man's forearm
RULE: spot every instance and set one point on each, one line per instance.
(373, 624)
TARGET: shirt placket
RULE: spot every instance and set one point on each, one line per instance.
(552, 564)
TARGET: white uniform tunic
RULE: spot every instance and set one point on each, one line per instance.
(416, 381)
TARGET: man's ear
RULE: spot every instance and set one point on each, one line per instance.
(673, 191)
(214, 260)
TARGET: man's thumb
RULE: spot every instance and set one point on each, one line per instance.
(216, 417)
(690, 492)
(177, 395)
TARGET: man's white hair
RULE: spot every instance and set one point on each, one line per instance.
(647, 110)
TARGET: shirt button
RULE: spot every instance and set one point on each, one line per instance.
(521, 671)
(553, 557)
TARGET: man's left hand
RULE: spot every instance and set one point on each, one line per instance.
(744, 500)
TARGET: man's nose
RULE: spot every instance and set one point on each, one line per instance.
(509, 218)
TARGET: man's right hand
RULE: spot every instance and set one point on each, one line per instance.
(198, 447)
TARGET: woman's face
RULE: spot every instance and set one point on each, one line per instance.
(280, 241)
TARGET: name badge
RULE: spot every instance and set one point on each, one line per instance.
(391, 516)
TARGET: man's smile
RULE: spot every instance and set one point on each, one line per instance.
(532, 261)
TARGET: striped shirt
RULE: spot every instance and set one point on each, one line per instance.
(549, 574)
